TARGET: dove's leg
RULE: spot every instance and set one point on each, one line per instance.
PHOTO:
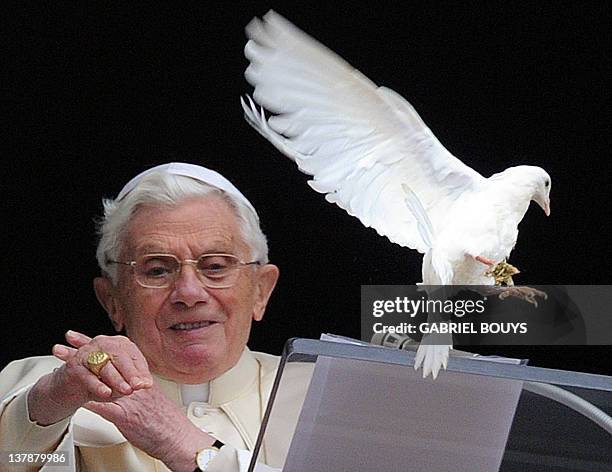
(485, 260)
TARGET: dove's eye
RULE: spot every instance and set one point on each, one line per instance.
(546, 184)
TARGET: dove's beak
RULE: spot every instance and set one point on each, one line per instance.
(546, 206)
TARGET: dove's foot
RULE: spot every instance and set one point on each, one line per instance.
(502, 273)
(528, 294)
(432, 357)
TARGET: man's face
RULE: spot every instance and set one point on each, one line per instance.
(151, 316)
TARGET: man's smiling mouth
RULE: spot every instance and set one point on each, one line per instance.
(187, 326)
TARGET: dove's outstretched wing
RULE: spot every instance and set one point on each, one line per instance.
(359, 141)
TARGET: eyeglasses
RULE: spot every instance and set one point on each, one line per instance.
(161, 270)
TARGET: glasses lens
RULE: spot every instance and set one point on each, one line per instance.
(219, 270)
(156, 270)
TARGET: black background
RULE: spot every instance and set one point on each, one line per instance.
(97, 93)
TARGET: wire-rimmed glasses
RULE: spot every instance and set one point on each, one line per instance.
(161, 270)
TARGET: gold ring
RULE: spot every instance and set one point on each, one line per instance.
(96, 361)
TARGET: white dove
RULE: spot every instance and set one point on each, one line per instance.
(370, 153)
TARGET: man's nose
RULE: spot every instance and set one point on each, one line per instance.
(188, 288)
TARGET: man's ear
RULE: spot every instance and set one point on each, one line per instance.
(266, 281)
(105, 293)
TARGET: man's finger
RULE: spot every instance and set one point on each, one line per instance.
(146, 380)
(96, 387)
(134, 369)
(109, 411)
(63, 353)
(115, 379)
(77, 339)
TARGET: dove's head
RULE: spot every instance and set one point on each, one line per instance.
(543, 183)
(535, 181)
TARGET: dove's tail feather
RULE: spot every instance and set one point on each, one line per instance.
(432, 358)
(257, 119)
(420, 215)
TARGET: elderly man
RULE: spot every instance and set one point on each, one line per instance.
(184, 273)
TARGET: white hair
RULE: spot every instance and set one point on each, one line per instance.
(164, 189)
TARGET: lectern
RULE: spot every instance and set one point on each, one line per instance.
(367, 409)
